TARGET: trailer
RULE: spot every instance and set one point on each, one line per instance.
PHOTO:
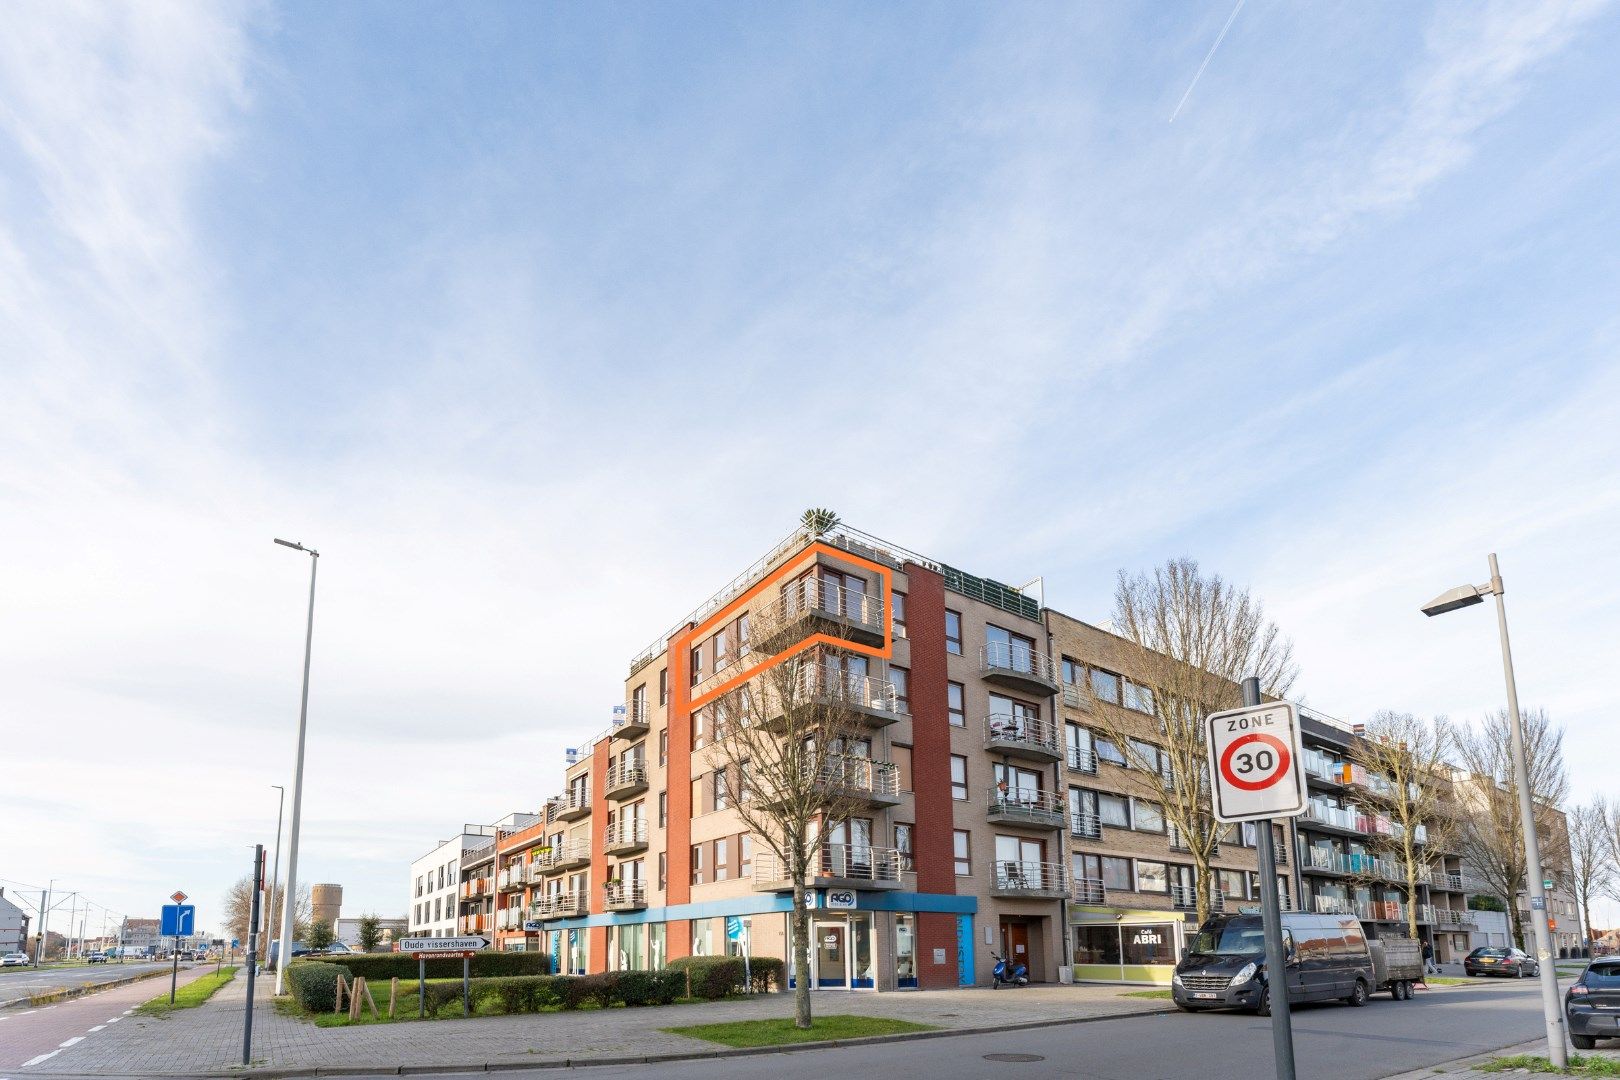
(1397, 964)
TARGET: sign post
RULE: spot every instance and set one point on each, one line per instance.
(1255, 775)
(737, 930)
(253, 951)
(179, 919)
(424, 947)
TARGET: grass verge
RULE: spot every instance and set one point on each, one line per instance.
(1578, 1065)
(1158, 995)
(189, 996)
(1443, 980)
(782, 1032)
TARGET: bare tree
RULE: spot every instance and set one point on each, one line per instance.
(790, 743)
(1489, 836)
(239, 909)
(1200, 636)
(1591, 859)
(1408, 782)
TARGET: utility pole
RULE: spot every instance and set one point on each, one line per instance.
(290, 896)
(275, 873)
(44, 921)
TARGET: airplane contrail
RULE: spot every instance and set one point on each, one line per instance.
(1219, 38)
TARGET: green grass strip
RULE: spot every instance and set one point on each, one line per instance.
(1578, 1065)
(189, 996)
(782, 1032)
(1161, 995)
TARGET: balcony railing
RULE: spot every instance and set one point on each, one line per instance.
(1178, 842)
(1026, 806)
(473, 887)
(1022, 736)
(1331, 815)
(1086, 825)
(1322, 766)
(625, 836)
(1019, 665)
(572, 804)
(1073, 696)
(836, 863)
(510, 878)
(535, 871)
(813, 596)
(626, 779)
(1185, 898)
(877, 780)
(1083, 760)
(1449, 882)
(1088, 891)
(635, 721)
(625, 895)
(1039, 880)
(563, 905)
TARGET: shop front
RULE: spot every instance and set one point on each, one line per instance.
(1120, 945)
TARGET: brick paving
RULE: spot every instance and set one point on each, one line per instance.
(27, 1033)
(208, 1040)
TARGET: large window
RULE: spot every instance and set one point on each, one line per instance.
(1147, 816)
(1116, 873)
(1073, 671)
(1152, 877)
(1096, 945)
(900, 679)
(903, 844)
(898, 602)
(1138, 697)
(1114, 810)
(955, 703)
(1105, 685)
(697, 864)
(1148, 755)
(953, 632)
(1148, 944)
(1107, 751)
(959, 781)
(962, 852)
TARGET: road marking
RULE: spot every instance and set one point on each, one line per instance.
(31, 1062)
(70, 1042)
(97, 1028)
(115, 1020)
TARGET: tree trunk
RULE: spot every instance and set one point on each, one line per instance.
(801, 954)
(1514, 925)
(1201, 884)
(1411, 895)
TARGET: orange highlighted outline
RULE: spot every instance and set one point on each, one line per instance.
(883, 651)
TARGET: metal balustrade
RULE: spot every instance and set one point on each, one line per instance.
(1026, 806)
(1088, 891)
(1040, 880)
(635, 721)
(624, 895)
(851, 773)
(813, 596)
(1019, 665)
(625, 779)
(625, 835)
(565, 855)
(1083, 760)
(562, 905)
(877, 867)
(1022, 736)
(1086, 825)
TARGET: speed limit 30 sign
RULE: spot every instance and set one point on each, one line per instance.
(1254, 762)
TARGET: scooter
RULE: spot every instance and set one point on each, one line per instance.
(1011, 972)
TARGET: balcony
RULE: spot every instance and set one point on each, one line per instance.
(1085, 825)
(509, 879)
(635, 722)
(535, 871)
(1074, 697)
(563, 905)
(568, 855)
(625, 780)
(625, 837)
(475, 924)
(1185, 898)
(475, 887)
(1448, 882)
(812, 606)
(624, 895)
(1029, 880)
(1332, 816)
(1026, 808)
(1088, 890)
(1022, 737)
(572, 806)
(875, 782)
(1082, 760)
(1321, 768)
(1453, 919)
(840, 866)
(1179, 843)
(1018, 667)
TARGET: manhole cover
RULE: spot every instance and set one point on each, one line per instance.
(1014, 1057)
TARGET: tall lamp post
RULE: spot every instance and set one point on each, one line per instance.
(1466, 596)
(290, 903)
(275, 873)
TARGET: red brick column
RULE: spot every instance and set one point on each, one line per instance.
(678, 775)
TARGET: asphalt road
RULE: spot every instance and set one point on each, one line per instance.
(1332, 1042)
(20, 982)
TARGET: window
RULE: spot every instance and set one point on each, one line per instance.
(902, 844)
(697, 864)
(1152, 877)
(699, 733)
(663, 869)
(1114, 810)
(1105, 686)
(899, 617)
(1116, 873)
(964, 858)
(663, 686)
(902, 766)
(663, 809)
(745, 790)
(900, 679)
(1107, 751)
(722, 789)
(1138, 697)
(955, 698)
(418, 884)
(436, 909)
(1073, 671)
(1147, 754)
(1234, 884)
(663, 747)
(953, 632)
(1009, 650)
(959, 783)
(1147, 816)
(722, 648)
(722, 859)
(697, 796)
(697, 664)
(745, 857)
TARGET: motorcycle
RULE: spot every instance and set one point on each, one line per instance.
(1010, 972)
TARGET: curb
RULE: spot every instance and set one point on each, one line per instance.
(1456, 1065)
(608, 1060)
(51, 997)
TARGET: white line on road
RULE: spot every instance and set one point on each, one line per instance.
(70, 1042)
(31, 1062)
(97, 1028)
(115, 1020)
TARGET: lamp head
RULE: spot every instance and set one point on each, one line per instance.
(1460, 597)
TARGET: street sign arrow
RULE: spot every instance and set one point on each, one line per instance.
(429, 946)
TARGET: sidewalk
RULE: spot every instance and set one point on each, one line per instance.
(208, 1040)
(1460, 1069)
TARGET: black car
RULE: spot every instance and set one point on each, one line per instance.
(1500, 960)
(1592, 1004)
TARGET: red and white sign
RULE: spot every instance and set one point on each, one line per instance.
(1254, 762)
(178, 897)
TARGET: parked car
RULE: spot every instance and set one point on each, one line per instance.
(1224, 966)
(14, 959)
(1592, 1004)
(1500, 960)
(96, 958)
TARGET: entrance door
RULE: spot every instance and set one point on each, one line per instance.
(1015, 942)
(831, 955)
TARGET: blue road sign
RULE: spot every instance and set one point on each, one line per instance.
(236, 943)
(179, 920)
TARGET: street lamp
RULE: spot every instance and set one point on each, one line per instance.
(275, 874)
(1467, 596)
(283, 955)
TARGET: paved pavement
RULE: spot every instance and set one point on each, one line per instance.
(16, 984)
(208, 1039)
(31, 1037)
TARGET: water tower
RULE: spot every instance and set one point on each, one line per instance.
(325, 901)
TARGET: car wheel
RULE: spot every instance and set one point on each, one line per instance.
(1264, 1008)
(1520, 972)
(1406, 990)
(1358, 996)
(1583, 1042)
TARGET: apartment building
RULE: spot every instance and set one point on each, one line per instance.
(13, 925)
(436, 883)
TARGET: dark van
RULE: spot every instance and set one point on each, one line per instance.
(1224, 966)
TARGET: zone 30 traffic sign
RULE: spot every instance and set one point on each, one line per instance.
(1254, 762)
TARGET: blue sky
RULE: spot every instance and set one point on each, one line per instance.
(534, 317)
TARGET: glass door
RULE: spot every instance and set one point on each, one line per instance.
(831, 954)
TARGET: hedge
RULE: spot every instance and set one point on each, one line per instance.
(515, 994)
(716, 977)
(378, 967)
(314, 984)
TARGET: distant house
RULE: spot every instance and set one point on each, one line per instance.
(13, 926)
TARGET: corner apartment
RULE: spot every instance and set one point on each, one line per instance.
(436, 883)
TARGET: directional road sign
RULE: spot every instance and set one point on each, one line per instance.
(435, 946)
(179, 920)
(1254, 762)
